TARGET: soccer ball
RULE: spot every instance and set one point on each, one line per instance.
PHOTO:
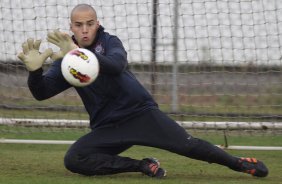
(80, 67)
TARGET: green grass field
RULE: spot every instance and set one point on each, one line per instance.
(43, 164)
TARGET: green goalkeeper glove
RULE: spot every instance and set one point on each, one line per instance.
(63, 41)
(31, 56)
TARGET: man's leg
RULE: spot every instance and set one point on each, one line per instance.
(96, 153)
(157, 130)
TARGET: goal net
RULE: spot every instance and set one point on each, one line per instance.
(214, 65)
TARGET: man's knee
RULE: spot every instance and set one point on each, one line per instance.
(88, 165)
(71, 162)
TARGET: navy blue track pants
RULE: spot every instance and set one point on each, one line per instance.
(97, 153)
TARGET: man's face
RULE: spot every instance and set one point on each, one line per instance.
(84, 25)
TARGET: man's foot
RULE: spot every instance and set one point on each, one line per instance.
(151, 167)
(252, 166)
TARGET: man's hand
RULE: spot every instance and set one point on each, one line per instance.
(31, 56)
(63, 41)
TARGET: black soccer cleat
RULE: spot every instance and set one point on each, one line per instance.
(151, 167)
(252, 166)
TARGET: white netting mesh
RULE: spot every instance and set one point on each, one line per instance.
(221, 60)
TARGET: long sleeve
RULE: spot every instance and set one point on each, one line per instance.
(115, 60)
(44, 86)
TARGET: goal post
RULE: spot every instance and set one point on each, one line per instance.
(212, 63)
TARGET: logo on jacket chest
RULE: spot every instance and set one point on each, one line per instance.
(98, 48)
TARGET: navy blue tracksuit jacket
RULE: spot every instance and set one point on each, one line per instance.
(114, 96)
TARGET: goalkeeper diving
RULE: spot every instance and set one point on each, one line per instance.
(121, 111)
